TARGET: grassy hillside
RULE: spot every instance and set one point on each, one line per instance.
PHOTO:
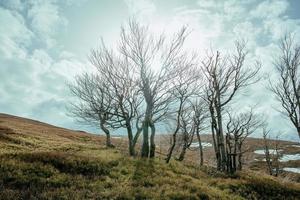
(40, 161)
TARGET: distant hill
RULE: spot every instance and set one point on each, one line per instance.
(41, 161)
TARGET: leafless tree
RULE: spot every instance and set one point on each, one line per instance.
(155, 63)
(287, 87)
(187, 129)
(185, 87)
(267, 152)
(238, 128)
(190, 123)
(225, 77)
(94, 106)
(122, 89)
(277, 155)
(272, 158)
(199, 120)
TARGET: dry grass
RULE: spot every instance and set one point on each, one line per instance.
(40, 161)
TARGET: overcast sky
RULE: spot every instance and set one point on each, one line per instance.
(45, 43)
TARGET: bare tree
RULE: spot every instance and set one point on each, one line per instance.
(199, 120)
(287, 87)
(155, 62)
(187, 132)
(191, 122)
(238, 128)
(272, 158)
(94, 106)
(185, 87)
(266, 149)
(122, 90)
(277, 155)
(225, 76)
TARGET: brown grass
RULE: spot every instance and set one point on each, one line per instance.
(40, 161)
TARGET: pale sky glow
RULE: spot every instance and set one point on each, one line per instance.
(45, 43)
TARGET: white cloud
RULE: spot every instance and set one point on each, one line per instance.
(270, 9)
(141, 9)
(45, 19)
(13, 4)
(32, 78)
(34, 68)
(14, 35)
(207, 4)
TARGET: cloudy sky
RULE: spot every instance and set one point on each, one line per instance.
(45, 43)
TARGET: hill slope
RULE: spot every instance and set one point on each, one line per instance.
(40, 161)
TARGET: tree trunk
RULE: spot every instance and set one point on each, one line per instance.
(298, 128)
(184, 147)
(220, 140)
(200, 148)
(222, 147)
(220, 136)
(174, 138)
(136, 137)
(239, 167)
(233, 167)
(146, 125)
(182, 154)
(145, 145)
(229, 154)
(108, 141)
(174, 135)
(234, 163)
(107, 133)
(216, 148)
(169, 155)
(213, 131)
(268, 160)
(152, 141)
(130, 139)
